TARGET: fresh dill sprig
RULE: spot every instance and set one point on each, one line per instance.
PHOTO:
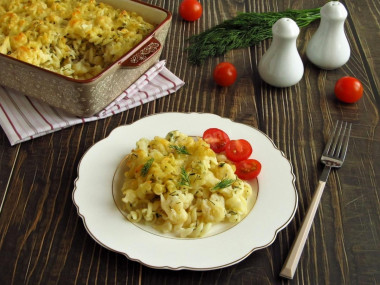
(185, 179)
(180, 149)
(246, 29)
(146, 167)
(223, 184)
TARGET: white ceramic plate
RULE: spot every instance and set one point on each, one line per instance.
(275, 206)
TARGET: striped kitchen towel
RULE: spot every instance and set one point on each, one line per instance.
(23, 118)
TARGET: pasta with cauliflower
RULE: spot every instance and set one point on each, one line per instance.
(178, 185)
(76, 38)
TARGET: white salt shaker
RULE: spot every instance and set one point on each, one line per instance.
(281, 65)
(328, 47)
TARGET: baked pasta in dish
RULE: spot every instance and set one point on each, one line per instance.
(76, 38)
(178, 185)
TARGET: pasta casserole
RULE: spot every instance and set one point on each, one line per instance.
(75, 38)
(178, 185)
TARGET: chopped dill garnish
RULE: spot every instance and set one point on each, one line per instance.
(146, 167)
(223, 184)
(185, 180)
(170, 137)
(211, 201)
(180, 149)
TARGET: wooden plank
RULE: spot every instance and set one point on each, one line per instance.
(43, 240)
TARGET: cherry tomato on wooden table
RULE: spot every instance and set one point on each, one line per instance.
(225, 74)
(348, 89)
(248, 169)
(216, 138)
(238, 150)
(190, 10)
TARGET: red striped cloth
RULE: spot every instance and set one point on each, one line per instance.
(23, 118)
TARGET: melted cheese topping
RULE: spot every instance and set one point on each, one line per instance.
(76, 38)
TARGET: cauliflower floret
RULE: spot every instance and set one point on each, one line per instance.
(175, 205)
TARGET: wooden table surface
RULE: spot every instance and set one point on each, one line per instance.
(44, 241)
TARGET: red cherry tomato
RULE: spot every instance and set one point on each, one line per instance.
(216, 138)
(225, 74)
(348, 89)
(190, 10)
(248, 169)
(238, 150)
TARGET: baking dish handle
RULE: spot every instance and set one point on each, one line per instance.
(143, 54)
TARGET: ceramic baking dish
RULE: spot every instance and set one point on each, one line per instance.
(87, 97)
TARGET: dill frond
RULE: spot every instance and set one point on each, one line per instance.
(146, 167)
(180, 149)
(246, 29)
(223, 184)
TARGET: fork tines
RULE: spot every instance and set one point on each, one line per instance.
(337, 145)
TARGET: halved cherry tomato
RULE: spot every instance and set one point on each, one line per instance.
(238, 150)
(190, 10)
(348, 89)
(225, 74)
(248, 169)
(216, 138)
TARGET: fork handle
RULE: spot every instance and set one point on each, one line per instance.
(291, 262)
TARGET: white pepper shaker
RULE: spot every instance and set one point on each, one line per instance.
(281, 65)
(328, 47)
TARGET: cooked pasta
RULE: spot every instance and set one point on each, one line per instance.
(76, 38)
(178, 185)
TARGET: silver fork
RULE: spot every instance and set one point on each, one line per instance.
(333, 156)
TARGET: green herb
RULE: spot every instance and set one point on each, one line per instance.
(146, 167)
(170, 137)
(185, 181)
(180, 149)
(223, 184)
(246, 29)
